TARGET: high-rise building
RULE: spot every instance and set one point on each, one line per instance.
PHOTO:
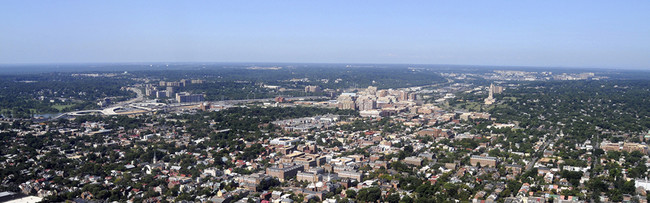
(185, 97)
(412, 96)
(161, 94)
(150, 91)
(366, 103)
(173, 84)
(496, 89)
(491, 92)
(382, 93)
(372, 90)
(490, 99)
(346, 102)
(170, 84)
(347, 105)
(170, 91)
(403, 96)
(312, 88)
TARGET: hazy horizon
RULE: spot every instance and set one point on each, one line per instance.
(26, 68)
(576, 34)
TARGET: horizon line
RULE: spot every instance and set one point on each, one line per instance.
(333, 63)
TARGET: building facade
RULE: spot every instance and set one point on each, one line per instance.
(484, 161)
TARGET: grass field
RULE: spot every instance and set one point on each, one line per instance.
(61, 107)
(514, 99)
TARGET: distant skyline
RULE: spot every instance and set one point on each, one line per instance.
(588, 34)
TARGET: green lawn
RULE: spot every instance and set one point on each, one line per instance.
(61, 107)
(514, 99)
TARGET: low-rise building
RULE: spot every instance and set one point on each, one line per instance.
(483, 161)
(351, 175)
(284, 141)
(416, 161)
(307, 176)
(284, 172)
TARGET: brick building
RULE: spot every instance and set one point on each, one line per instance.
(284, 172)
(484, 161)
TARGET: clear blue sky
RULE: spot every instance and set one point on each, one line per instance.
(614, 34)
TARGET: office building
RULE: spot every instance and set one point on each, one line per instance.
(189, 98)
(312, 88)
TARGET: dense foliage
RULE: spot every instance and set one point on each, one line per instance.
(324, 75)
(23, 95)
(579, 108)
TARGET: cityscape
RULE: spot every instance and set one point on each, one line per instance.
(325, 101)
(462, 137)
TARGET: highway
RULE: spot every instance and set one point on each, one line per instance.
(138, 98)
(111, 109)
(133, 103)
(233, 102)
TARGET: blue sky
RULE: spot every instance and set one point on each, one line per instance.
(608, 34)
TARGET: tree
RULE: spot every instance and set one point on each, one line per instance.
(372, 194)
(628, 187)
(393, 198)
(406, 199)
(494, 152)
(351, 194)
(314, 199)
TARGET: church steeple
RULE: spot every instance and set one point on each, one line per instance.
(490, 99)
(491, 91)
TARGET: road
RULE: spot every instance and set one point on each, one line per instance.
(232, 102)
(111, 109)
(532, 163)
(138, 98)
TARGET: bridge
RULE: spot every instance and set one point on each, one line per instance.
(107, 111)
(78, 113)
(142, 107)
